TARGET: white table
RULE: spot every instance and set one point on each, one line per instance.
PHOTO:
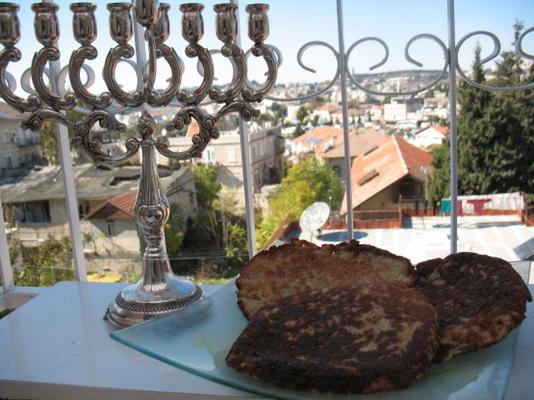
(57, 347)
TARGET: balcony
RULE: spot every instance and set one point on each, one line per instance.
(54, 342)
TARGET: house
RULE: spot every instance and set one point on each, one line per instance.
(266, 153)
(318, 140)
(400, 107)
(360, 141)
(36, 205)
(20, 150)
(354, 115)
(428, 137)
(392, 169)
(324, 112)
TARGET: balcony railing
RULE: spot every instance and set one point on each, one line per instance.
(342, 53)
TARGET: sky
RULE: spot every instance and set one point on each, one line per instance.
(294, 23)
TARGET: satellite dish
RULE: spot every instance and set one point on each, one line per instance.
(312, 218)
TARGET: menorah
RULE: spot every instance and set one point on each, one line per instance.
(159, 291)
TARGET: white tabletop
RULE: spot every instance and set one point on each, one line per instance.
(58, 347)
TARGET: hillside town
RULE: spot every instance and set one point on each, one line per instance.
(390, 140)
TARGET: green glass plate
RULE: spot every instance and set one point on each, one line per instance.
(198, 339)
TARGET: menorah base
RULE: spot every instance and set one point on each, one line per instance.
(134, 304)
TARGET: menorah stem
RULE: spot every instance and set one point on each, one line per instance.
(152, 211)
(158, 291)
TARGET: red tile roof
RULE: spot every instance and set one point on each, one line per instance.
(125, 202)
(318, 138)
(329, 107)
(442, 129)
(391, 161)
(118, 207)
(360, 141)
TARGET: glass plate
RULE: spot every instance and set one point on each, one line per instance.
(198, 339)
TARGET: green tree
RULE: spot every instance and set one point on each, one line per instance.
(472, 126)
(49, 144)
(206, 184)
(43, 265)
(439, 182)
(496, 131)
(216, 226)
(174, 230)
(279, 111)
(304, 184)
(298, 131)
(302, 112)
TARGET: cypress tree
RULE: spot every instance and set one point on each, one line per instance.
(496, 131)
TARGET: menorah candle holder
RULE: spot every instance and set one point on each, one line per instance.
(159, 291)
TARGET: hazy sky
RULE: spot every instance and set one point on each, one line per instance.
(294, 23)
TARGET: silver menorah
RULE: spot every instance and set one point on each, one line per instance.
(158, 291)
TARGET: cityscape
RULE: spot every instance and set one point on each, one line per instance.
(207, 194)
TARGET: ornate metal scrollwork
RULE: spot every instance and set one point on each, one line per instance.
(258, 31)
(227, 33)
(207, 130)
(160, 33)
(120, 22)
(32, 103)
(408, 57)
(495, 53)
(84, 27)
(83, 131)
(192, 31)
(47, 33)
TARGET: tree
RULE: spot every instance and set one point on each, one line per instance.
(298, 131)
(302, 112)
(472, 128)
(279, 111)
(49, 144)
(496, 132)
(43, 265)
(174, 230)
(206, 184)
(439, 182)
(216, 226)
(304, 184)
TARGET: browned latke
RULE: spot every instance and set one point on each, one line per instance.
(300, 265)
(344, 340)
(479, 300)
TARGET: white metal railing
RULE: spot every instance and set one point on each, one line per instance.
(342, 75)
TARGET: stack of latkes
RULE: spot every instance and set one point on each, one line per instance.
(352, 318)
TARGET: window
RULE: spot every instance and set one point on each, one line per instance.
(208, 156)
(110, 228)
(83, 208)
(34, 212)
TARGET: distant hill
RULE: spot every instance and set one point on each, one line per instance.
(397, 74)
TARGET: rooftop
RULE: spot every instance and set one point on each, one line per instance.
(390, 161)
(118, 207)
(92, 183)
(360, 141)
